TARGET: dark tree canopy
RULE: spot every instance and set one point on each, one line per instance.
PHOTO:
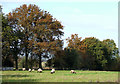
(89, 53)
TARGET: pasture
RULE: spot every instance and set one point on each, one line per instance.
(60, 76)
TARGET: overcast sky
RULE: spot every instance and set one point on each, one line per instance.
(87, 18)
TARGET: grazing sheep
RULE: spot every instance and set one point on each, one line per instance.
(33, 69)
(23, 69)
(29, 70)
(39, 70)
(72, 71)
(52, 71)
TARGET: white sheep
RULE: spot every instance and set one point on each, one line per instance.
(23, 69)
(33, 69)
(39, 70)
(52, 71)
(29, 70)
(72, 71)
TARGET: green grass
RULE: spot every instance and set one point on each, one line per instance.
(59, 76)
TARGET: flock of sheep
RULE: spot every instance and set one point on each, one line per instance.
(52, 71)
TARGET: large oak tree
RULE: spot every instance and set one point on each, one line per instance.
(41, 32)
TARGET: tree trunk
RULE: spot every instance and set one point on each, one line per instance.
(15, 54)
(31, 64)
(26, 60)
(40, 62)
(16, 63)
(26, 49)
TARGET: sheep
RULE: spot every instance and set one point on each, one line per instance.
(52, 71)
(39, 70)
(72, 71)
(29, 70)
(23, 69)
(33, 69)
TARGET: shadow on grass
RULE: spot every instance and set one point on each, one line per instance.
(10, 79)
(18, 80)
(15, 76)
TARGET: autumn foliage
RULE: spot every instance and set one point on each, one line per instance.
(89, 53)
(32, 35)
(41, 32)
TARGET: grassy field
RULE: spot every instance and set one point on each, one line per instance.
(59, 76)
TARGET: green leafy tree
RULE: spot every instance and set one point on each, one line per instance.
(113, 53)
(10, 41)
(100, 52)
(6, 40)
(95, 50)
(70, 58)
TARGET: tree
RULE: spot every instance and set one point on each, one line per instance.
(47, 38)
(75, 42)
(93, 53)
(113, 53)
(76, 45)
(101, 51)
(70, 58)
(41, 32)
(89, 53)
(111, 46)
(58, 60)
(15, 45)
(64, 59)
(6, 54)
(10, 42)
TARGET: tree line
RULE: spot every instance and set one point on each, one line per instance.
(30, 34)
(87, 54)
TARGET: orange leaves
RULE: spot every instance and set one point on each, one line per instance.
(24, 6)
(75, 43)
(42, 44)
(29, 7)
(46, 46)
(10, 16)
(47, 18)
(41, 30)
